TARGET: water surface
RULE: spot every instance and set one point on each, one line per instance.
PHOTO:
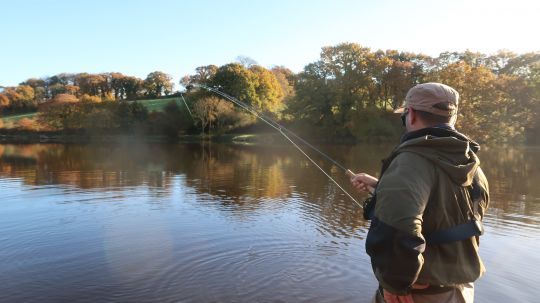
(223, 223)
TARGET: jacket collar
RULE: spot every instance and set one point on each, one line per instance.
(440, 131)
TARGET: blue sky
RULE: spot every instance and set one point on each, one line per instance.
(43, 38)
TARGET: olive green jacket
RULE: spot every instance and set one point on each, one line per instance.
(424, 189)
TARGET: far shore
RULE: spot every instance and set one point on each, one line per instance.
(32, 137)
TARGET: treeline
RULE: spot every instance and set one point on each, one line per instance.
(348, 94)
(85, 87)
(351, 91)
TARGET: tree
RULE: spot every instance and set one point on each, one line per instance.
(211, 109)
(203, 75)
(487, 110)
(117, 85)
(269, 93)
(314, 98)
(256, 86)
(26, 93)
(523, 65)
(246, 61)
(57, 88)
(133, 87)
(40, 88)
(4, 100)
(340, 81)
(399, 79)
(71, 89)
(90, 84)
(286, 79)
(237, 81)
(34, 83)
(20, 98)
(158, 83)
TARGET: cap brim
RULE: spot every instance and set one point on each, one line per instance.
(399, 110)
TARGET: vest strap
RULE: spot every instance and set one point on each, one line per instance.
(457, 233)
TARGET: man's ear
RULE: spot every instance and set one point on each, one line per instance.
(412, 116)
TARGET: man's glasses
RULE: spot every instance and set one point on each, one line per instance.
(404, 116)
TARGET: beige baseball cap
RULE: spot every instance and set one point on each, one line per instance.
(435, 98)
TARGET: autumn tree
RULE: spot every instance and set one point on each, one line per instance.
(90, 84)
(255, 86)
(4, 100)
(203, 75)
(286, 79)
(157, 84)
(40, 88)
(26, 93)
(267, 88)
(211, 110)
(133, 87)
(18, 99)
(117, 82)
(487, 111)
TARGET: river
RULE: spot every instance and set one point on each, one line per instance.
(224, 223)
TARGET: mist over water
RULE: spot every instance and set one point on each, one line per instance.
(224, 223)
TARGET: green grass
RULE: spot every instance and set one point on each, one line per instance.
(159, 104)
(151, 104)
(18, 117)
(10, 120)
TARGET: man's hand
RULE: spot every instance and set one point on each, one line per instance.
(391, 298)
(364, 182)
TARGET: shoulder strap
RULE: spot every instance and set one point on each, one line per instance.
(472, 228)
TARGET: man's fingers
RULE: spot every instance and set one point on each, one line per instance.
(406, 299)
(362, 182)
(358, 177)
(391, 298)
(360, 186)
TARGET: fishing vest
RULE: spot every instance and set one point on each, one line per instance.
(464, 231)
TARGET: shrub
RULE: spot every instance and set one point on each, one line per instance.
(90, 99)
(28, 124)
(64, 98)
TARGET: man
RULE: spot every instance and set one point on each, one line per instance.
(428, 205)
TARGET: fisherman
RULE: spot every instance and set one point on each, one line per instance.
(427, 208)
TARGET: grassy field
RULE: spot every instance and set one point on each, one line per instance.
(151, 104)
(159, 104)
(15, 118)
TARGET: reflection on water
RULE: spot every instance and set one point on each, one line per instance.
(216, 222)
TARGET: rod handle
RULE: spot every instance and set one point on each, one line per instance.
(349, 173)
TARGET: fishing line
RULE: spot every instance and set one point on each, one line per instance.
(281, 129)
(187, 107)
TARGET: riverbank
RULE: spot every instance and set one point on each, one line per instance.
(28, 137)
(18, 136)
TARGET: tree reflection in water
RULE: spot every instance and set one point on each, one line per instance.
(245, 178)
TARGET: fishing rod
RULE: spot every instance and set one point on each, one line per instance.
(284, 131)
